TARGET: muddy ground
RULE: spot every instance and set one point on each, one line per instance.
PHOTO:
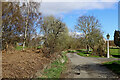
(19, 64)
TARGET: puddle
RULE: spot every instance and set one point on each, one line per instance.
(77, 73)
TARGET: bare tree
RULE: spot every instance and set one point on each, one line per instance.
(12, 25)
(90, 26)
(32, 16)
(14, 18)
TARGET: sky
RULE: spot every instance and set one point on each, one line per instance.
(106, 11)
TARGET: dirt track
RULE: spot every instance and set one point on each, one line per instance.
(88, 67)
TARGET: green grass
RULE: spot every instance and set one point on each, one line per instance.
(83, 52)
(71, 51)
(40, 47)
(113, 51)
(20, 47)
(56, 68)
(86, 55)
(114, 67)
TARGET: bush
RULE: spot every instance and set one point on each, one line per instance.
(55, 34)
(100, 51)
(46, 52)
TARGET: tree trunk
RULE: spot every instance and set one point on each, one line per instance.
(93, 50)
(6, 47)
(87, 47)
(26, 28)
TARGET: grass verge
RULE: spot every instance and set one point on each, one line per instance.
(71, 51)
(114, 66)
(57, 67)
(86, 55)
(19, 47)
(114, 52)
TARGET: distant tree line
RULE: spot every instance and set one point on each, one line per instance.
(49, 32)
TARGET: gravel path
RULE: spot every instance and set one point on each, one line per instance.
(88, 67)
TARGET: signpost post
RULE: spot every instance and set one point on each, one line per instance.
(108, 36)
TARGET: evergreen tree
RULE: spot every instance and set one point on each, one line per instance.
(117, 38)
